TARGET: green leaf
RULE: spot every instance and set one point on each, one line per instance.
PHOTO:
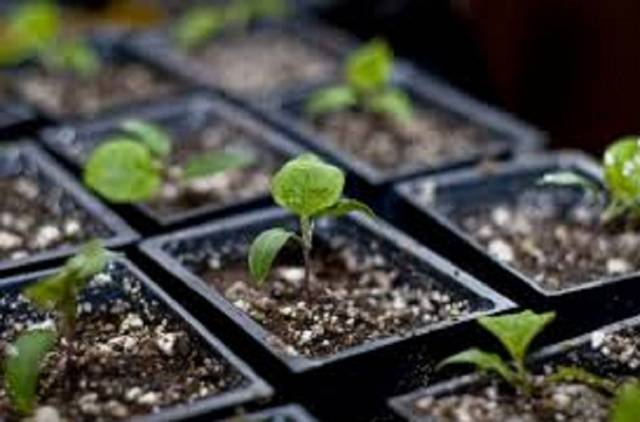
(264, 250)
(574, 374)
(211, 163)
(345, 206)
(393, 103)
(569, 178)
(369, 68)
(197, 26)
(22, 367)
(123, 171)
(269, 9)
(622, 170)
(77, 57)
(89, 261)
(517, 331)
(238, 13)
(626, 406)
(331, 100)
(484, 361)
(153, 136)
(306, 185)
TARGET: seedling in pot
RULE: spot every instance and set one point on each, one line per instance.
(626, 405)
(367, 87)
(621, 190)
(132, 167)
(311, 189)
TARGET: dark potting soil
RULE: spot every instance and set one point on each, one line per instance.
(129, 357)
(358, 294)
(63, 95)
(253, 64)
(430, 139)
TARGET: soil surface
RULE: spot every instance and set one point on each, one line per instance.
(63, 95)
(31, 220)
(356, 296)
(129, 357)
(557, 244)
(430, 139)
(259, 63)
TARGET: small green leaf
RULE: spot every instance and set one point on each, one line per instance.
(574, 374)
(211, 163)
(331, 100)
(345, 206)
(22, 367)
(369, 68)
(622, 170)
(569, 178)
(153, 136)
(77, 57)
(89, 261)
(483, 361)
(123, 171)
(517, 331)
(306, 185)
(269, 9)
(197, 26)
(626, 406)
(393, 103)
(264, 250)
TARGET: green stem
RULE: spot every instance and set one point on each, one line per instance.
(306, 229)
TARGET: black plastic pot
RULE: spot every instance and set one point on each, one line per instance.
(459, 191)
(15, 119)
(288, 413)
(178, 253)
(181, 115)
(64, 195)
(505, 135)
(250, 388)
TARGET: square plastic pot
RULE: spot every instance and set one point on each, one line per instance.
(252, 387)
(237, 233)
(288, 413)
(181, 115)
(25, 158)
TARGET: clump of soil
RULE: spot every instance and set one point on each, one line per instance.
(557, 244)
(254, 64)
(65, 95)
(430, 139)
(31, 219)
(129, 357)
(358, 294)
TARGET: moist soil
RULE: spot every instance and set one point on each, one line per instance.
(254, 64)
(354, 297)
(430, 139)
(64, 95)
(129, 357)
(557, 245)
(31, 220)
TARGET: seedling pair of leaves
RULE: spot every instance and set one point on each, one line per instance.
(367, 86)
(311, 189)
(200, 24)
(131, 167)
(621, 190)
(58, 294)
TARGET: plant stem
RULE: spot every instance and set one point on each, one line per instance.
(306, 229)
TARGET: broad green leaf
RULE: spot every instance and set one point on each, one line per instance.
(517, 331)
(345, 206)
(197, 26)
(626, 406)
(569, 178)
(263, 252)
(622, 169)
(77, 57)
(369, 68)
(123, 171)
(269, 9)
(153, 136)
(22, 367)
(306, 185)
(211, 163)
(331, 100)
(574, 374)
(483, 361)
(393, 103)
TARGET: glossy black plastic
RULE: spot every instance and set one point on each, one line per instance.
(288, 413)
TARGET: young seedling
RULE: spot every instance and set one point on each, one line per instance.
(132, 167)
(310, 189)
(626, 405)
(621, 190)
(367, 87)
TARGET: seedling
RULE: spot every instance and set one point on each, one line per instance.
(311, 189)
(202, 23)
(621, 190)
(367, 86)
(131, 167)
(626, 405)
